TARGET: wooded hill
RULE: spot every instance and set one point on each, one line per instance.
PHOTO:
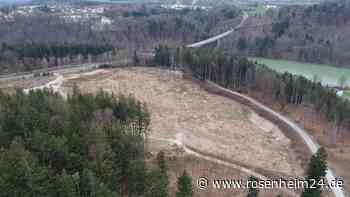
(44, 39)
(317, 34)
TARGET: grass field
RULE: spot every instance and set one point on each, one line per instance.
(327, 74)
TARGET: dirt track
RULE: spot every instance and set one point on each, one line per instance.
(206, 126)
(210, 123)
(282, 121)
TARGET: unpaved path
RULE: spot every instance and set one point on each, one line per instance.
(54, 85)
(213, 124)
(179, 141)
(312, 144)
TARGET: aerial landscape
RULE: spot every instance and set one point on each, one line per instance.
(174, 98)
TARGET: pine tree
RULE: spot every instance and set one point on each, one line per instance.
(242, 44)
(161, 162)
(184, 186)
(65, 185)
(136, 178)
(136, 59)
(88, 183)
(253, 192)
(156, 184)
(315, 173)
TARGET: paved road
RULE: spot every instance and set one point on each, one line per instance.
(311, 144)
(218, 37)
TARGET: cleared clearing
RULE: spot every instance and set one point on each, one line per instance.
(206, 122)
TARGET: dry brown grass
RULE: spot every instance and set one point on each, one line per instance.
(202, 168)
(210, 123)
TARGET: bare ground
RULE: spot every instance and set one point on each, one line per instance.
(211, 123)
(208, 123)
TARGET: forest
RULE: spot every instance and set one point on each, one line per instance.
(85, 146)
(240, 74)
(39, 50)
(316, 34)
(29, 56)
(47, 39)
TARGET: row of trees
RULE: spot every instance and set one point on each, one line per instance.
(26, 57)
(40, 50)
(240, 74)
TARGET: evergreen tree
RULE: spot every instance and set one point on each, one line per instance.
(161, 162)
(315, 173)
(242, 44)
(87, 184)
(136, 178)
(66, 186)
(252, 192)
(94, 152)
(184, 186)
(136, 59)
(156, 184)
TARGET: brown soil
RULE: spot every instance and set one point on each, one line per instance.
(210, 123)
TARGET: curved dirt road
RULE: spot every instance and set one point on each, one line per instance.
(311, 144)
(56, 84)
(189, 150)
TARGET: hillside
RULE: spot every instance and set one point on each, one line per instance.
(317, 34)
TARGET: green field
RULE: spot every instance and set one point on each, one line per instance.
(327, 74)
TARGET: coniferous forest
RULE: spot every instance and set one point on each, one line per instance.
(85, 146)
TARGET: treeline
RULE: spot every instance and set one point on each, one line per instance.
(39, 50)
(29, 56)
(85, 146)
(243, 75)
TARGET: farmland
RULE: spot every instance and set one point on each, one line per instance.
(327, 74)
